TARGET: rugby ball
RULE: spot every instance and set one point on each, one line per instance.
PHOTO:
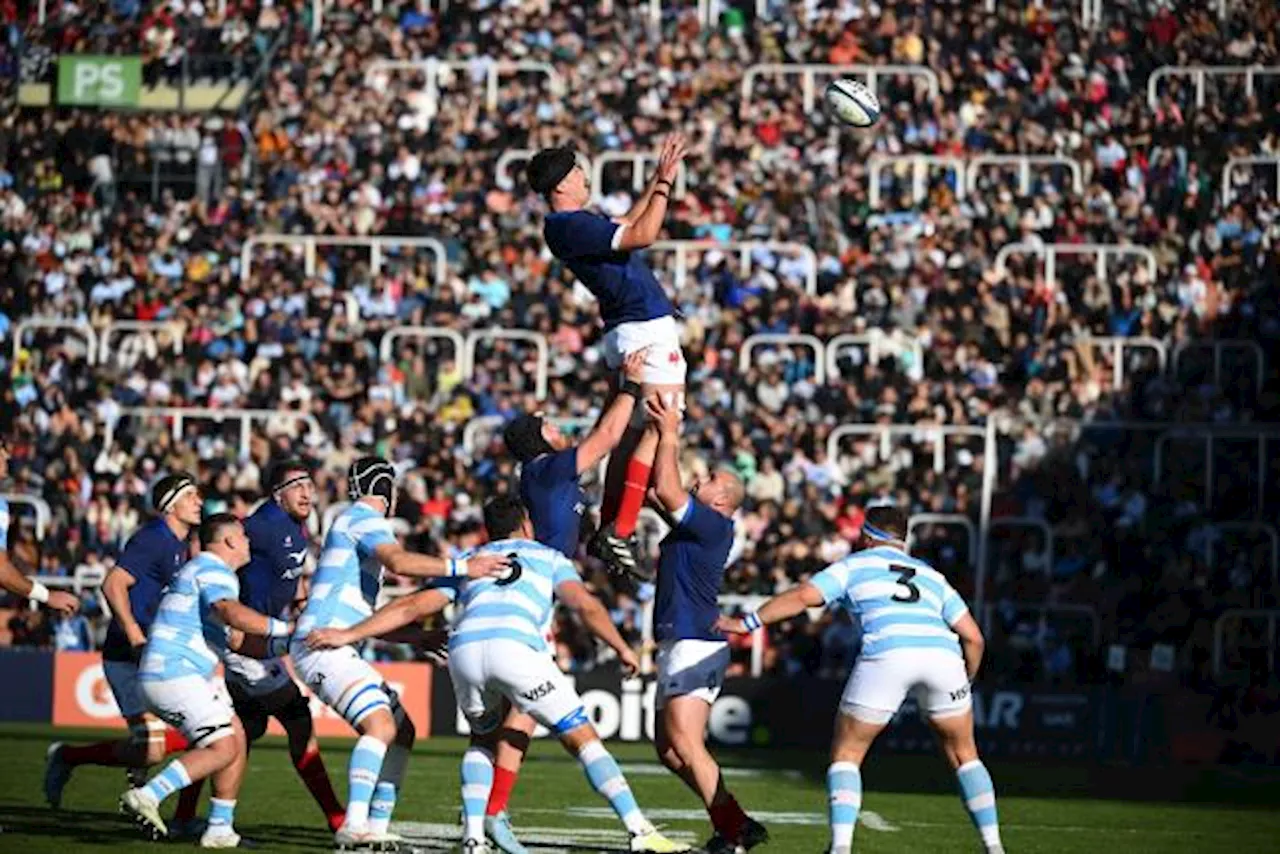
(852, 103)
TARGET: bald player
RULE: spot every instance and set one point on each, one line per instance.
(692, 653)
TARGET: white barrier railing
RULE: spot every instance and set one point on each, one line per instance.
(493, 70)
(1201, 73)
(1208, 434)
(537, 339)
(1271, 615)
(81, 326)
(1024, 162)
(1091, 14)
(744, 248)
(173, 327)
(375, 245)
(502, 169)
(939, 434)
(766, 339)
(943, 520)
(920, 165)
(1263, 528)
(386, 345)
(1044, 609)
(809, 72)
(1047, 554)
(44, 515)
(637, 159)
(1218, 346)
(1235, 163)
(181, 414)
(875, 342)
(1102, 251)
(477, 426)
(1118, 344)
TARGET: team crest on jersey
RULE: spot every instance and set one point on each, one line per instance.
(288, 540)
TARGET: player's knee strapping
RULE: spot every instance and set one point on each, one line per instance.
(979, 795)
(844, 799)
(476, 775)
(362, 700)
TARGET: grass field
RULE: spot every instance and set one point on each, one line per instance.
(909, 805)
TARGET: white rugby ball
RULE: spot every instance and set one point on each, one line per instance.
(852, 102)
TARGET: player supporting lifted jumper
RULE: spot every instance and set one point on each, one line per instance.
(637, 314)
(269, 584)
(917, 636)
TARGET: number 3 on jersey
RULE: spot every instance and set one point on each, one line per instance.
(905, 574)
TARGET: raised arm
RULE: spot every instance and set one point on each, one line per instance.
(403, 612)
(642, 225)
(609, 430)
(576, 596)
(667, 487)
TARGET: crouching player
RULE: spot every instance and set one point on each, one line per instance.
(175, 676)
(918, 636)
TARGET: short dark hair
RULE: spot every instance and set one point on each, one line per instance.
(886, 519)
(523, 438)
(549, 167)
(211, 527)
(278, 471)
(503, 516)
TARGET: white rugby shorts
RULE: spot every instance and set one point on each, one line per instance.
(665, 364)
(346, 683)
(256, 677)
(877, 686)
(193, 705)
(484, 672)
(691, 668)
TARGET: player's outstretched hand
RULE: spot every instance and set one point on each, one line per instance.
(633, 365)
(674, 148)
(730, 626)
(328, 639)
(629, 663)
(63, 602)
(488, 566)
(665, 415)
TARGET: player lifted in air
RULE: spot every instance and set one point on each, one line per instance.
(269, 584)
(917, 636)
(499, 658)
(14, 581)
(192, 630)
(343, 591)
(133, 589)
(637, 314)
(692, 654)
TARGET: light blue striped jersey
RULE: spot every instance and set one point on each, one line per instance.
(518, 607)
(348, 575)
(187, 638)
(900, 601)
(4, 525)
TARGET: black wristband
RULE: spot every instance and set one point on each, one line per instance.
(661, 193)
(664, 181)
(632, 388)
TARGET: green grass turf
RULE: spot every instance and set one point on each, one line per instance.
(1044, 807)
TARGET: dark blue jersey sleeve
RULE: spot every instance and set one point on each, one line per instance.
(142, 554)
(580, 234)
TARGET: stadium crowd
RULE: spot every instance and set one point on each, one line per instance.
(326, 147)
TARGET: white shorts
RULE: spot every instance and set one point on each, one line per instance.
(347, 683)
(196, 707)
(256, 677)
(665, 364)
(485, 672)
(122, 678)
(878, 685)
(691, 668)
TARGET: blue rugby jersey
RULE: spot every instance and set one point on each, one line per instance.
(691, 562)
(517, 607)
(549, 488)
(900, 601)
(278, 554)
(153, 556)
(348, 576)
(187, 638)
(620, 280)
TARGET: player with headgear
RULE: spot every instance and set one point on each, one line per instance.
(604, 254)
(348, 578)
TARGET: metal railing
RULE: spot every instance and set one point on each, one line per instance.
(1218, 346)
(1201, 73)
(1044, 609)
(1271, 615)
(44, 514)
(81, 326)
(1119, 344)
(502, 169)
(874, 340)
(1263, 528)
(955, 520)
(1102, 251)
(1234, 163)
(808, 72)
(173, 327)
(493, 70)
(1024, 162)
(537, 339)
(180, 414)
(920, 165)
(766, 339)
(1208, 434)
(637, 159)
(386, 345)
(744, 248)
(310, 242)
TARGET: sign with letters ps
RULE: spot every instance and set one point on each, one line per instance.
(99, 81)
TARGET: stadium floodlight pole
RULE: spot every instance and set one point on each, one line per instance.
(44, 514)
(81, 326)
